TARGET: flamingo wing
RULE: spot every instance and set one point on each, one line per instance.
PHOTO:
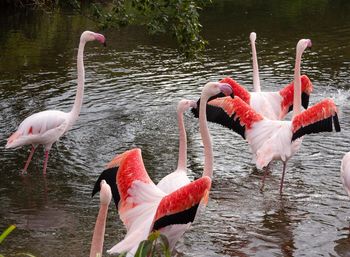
(180, 207)
(217, 115)
(121, 173)
(318, 118)
(287, 94)
(242, 116)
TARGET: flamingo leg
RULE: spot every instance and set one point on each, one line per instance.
(45, 161)
(282, 179)
(266, 171)
(28, 160)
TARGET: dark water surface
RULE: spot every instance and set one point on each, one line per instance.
(132, 89)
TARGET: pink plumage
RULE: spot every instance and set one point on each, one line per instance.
(45, 128)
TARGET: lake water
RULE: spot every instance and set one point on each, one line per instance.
(132, 89)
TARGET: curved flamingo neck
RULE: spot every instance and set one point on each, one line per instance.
(182, 159)
(203, 128)
(256, 80)
(297, 84)
(81, 79)
(99, 232)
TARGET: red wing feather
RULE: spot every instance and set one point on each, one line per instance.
(131, 168)
(184, 198)
(237, 89)
(240, 109)
(287, 92)
(318, 118)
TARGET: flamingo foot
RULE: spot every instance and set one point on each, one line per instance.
(45, 161)
(24, 171)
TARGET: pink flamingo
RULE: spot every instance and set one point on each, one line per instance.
(144, 207)
(46, 127)
(279, 140)
(272, 105)
(345, 172)
(99, 231)
(179, 177)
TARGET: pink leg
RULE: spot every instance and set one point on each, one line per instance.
(45, 161)
(282, 179)
(28, 160)
(266, 170)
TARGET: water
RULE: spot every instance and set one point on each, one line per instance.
(132, 89)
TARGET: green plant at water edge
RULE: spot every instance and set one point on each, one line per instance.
(180, 18)
(157, 245)
(5, 234)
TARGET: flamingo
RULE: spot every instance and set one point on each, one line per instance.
(99, 231)
(144, 207)
(279, 140)
(46, 127)
(345, 172)
(179, 177)
(272, 105)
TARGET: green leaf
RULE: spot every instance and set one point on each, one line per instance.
(144, 249)
(6, 232)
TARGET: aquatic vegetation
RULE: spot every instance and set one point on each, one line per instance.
(156, 245)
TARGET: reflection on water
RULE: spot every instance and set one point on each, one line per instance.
(132, 89)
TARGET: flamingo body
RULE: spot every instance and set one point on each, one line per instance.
(345, 172)
(40, 128)
(46, 127)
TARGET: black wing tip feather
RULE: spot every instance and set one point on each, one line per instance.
(305, 98)
(110, 175)
(336, 123)
(183, 217)
(219, 116)
(325, 125)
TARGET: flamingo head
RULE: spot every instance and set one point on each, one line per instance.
(213, 88)
(91, 36)
(105, 193)
(252, 37)
(185, 105)
(303, 44)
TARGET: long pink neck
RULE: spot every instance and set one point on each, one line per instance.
(256, 80)
(80, 89)
(99, 232)
(297, 84)
(203, 128)
(182, 161)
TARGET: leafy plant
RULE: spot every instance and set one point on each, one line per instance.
(179, 17)
(156, 245)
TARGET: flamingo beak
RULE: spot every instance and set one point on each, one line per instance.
(101, 38)
(193, 104)
(226, 89)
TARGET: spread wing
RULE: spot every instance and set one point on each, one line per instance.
(241, 115)
(321, 117)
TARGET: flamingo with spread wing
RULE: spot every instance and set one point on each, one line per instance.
(144, 207)
(279, 140)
